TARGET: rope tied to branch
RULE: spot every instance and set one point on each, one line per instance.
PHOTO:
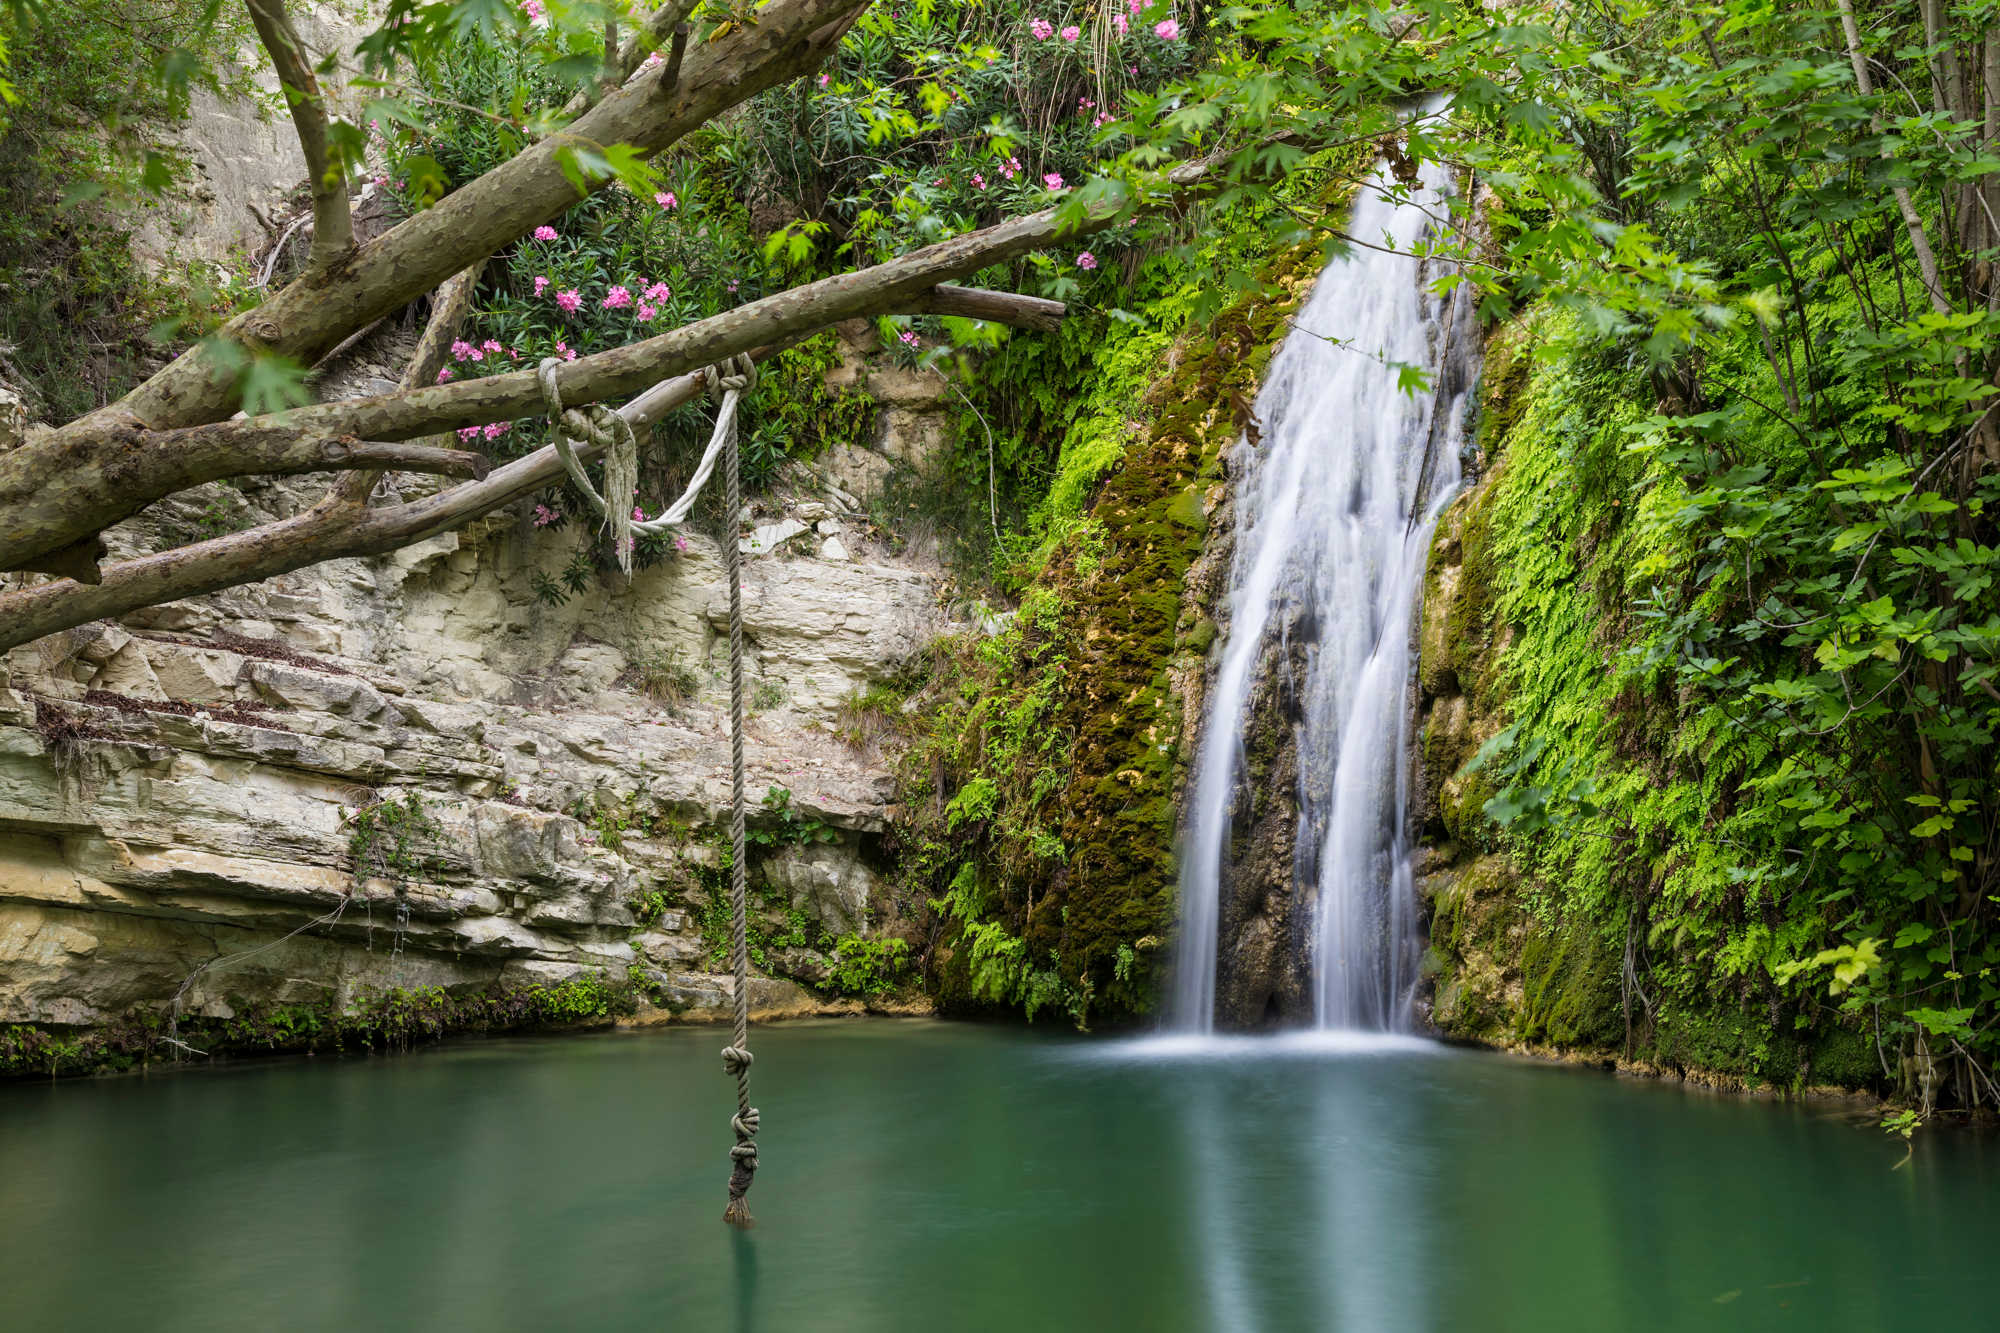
(604, 429)
(726, 382)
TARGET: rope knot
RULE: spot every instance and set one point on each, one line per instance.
(735, 1061)
(733, 374)
(746, 1124)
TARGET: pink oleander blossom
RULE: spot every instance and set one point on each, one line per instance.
(496, 430)
(823, 79)
(680, 543)
(909, 338)
(659, 291)
(652, 60)
(1071, 33)
(444, 375)
(1135, 7)
(1053, 180)
(1086, 261)
(617, 298)
(1119, 24)
(665, 199)
(468, 433)
(978, 181)
(545, 233)
(1167, 31)
(646, 314)
(638, 514)
(492, 346)
(732, 284)
(1041, 30)
(569, 299)
(545, 516)
(533, 9)
(541, 284)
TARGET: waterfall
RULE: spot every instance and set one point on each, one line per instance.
(1334, 511)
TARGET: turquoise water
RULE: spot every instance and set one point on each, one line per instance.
(922, 1175)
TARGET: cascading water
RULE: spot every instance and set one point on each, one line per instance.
(1334, 511)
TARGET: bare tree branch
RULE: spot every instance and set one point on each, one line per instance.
(333, 225)
(339, 526)
(58, 490)
(659, 29)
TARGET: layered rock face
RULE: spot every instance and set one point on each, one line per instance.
(415, 770)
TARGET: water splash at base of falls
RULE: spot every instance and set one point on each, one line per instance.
(1334, 512)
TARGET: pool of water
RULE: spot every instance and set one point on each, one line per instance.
(924, 1175)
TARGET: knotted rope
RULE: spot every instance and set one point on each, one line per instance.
(607, 430)
(612, 433)
(736, 1059)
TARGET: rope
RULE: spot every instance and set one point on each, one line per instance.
(736, 1059)
(607, 430)
(612, 433)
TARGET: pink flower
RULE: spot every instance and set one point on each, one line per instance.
(1041, 30)
(823, 78)
(1071, 33)
(444, 375)
(1133, 70)
(569, 354)
(544, 516)
(1084, 104)
(732, 284)
(541, 284)
(469, 433)
(665, 199)
(460, 350)
(1168, 31)
(1053, 180)
(651, 60)
(381, 181)
(496, 430)
(978, 181)
(617, 298)
(1086, 261)
(1102, 118)
(909, 338)
(1119, 24)
(646, 313)
(638, 514)
(659, 291)
(545, 233)
(569, 299)
(533, 9)
(1135, 7)
(492, 346)
(680, 543)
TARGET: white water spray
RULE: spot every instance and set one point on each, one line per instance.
(1329, 535)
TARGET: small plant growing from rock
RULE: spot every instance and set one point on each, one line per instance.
(388, 837)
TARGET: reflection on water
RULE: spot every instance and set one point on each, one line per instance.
(932, 1176)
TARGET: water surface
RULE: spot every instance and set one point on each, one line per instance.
(922, 1175)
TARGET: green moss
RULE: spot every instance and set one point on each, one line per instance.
(1539, 630)
(398, 1017)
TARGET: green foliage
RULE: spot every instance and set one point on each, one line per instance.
(389, 838)
(77, 150)
(867, 967)
(398, 1017)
